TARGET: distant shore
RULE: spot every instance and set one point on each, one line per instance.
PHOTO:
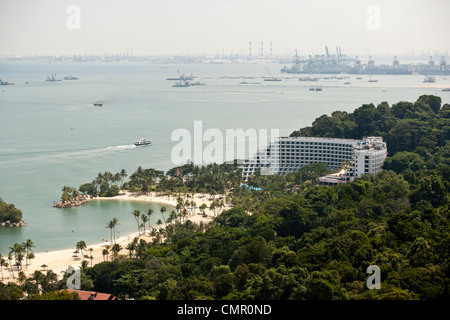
(60, 260)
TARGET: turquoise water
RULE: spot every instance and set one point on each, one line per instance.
(51, 135)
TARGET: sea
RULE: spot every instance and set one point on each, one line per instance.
(52, 135)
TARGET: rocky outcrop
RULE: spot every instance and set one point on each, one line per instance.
(8, 223)
(81, 199)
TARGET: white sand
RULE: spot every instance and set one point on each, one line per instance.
(60, 260)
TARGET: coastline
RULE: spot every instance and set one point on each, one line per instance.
(59, 260)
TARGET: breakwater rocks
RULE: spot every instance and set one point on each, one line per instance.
(8, 223)
(78, 201)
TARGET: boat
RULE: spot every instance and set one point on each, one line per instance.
(142, 142)
(6, 83)
(429, 79)
(372, 80)
(181, 84)
(182, 77)
(272, 78)
(446, 89)
(316, 88)
(98, 104)
(70, 77)
(52, 78)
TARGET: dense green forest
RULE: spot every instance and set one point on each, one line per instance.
(295, 239)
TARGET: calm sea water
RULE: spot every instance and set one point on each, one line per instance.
(51, 135)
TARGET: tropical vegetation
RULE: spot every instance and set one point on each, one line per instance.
(294, 238)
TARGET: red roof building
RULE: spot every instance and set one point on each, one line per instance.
(92, 295)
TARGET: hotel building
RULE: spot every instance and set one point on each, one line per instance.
(288, 154)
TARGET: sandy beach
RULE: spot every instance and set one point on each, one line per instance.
(60, 260)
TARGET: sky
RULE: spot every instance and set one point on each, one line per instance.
(172, 27)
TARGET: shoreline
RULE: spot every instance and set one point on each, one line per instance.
(59, 260)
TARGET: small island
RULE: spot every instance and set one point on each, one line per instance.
(10, 216)
(104, 185)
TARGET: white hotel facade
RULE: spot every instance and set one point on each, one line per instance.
(288, 154)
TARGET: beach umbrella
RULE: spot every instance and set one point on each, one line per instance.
(44, 266)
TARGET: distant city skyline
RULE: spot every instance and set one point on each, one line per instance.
(177, 27)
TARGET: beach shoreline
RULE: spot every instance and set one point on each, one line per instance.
(60, 260)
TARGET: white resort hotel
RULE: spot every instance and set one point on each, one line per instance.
(288, 154)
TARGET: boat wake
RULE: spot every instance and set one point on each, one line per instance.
(56, 156)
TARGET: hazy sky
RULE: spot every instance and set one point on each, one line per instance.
(31, 27)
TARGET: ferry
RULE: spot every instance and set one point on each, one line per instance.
(142, 142)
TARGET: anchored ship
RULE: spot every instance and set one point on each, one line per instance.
(6, 83)
(70, 77)
(52, 78)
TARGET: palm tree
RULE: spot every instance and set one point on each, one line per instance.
(203, 207)
(193, 205)
(49, 281)
(105, 252)
(123, 174)
(115, 249)
(115, 222)
(18, 251)
(28, 244)
(110, 226)
(38, 277)
(11, 266)
(3, 263)
(90, 256)
(144, 219)
(163, 209)
(137, 215)
(84, 264)
(173, 215)
(81, 245)
(149, 212)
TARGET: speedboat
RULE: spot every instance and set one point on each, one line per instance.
(142, 142)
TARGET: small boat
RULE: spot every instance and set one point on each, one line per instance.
(446, 89)
(70, 77)
(5, 83)
(430, 79)
(142, 142)
(52, 78)
(98, 104)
